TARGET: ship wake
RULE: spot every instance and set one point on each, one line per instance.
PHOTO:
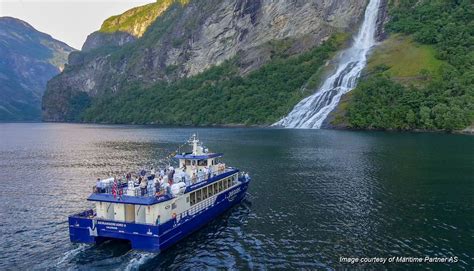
(138, 259)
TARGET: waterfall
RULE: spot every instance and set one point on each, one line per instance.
(313, 110)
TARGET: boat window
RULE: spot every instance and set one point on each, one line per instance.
(211, 190)
(215, 188)
(198, 196)
(188, 162)
(230, 181)
(187, 199)
(173, 205)
(202, 162)
(204, 193)
(221, 187)
(193, 198)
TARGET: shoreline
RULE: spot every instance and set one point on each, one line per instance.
(466, 131)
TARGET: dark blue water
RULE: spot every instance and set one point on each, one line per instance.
(316, 196)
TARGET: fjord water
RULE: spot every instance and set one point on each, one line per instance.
(316, 195)
(313, 110)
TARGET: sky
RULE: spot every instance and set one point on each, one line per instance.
(69, 21)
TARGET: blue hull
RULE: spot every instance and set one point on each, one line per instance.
(83, 228)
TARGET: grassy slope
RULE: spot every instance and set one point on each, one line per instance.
(136, 20)
(405, 61)
(400, 58)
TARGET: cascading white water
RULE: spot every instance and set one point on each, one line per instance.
(313, 110)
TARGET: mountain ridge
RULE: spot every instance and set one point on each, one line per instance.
(186, 40)
(29, 58)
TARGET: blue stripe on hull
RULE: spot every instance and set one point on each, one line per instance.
(84, 229)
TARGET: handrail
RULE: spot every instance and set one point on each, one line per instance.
(109, 207)
(138, 211)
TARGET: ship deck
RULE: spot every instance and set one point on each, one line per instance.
(152, 197)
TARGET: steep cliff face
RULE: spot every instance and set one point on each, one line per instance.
(28, 59)
(127, 27)
(188, 38)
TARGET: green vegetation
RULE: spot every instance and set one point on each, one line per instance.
(78, 103)
(219, 95)
(427, 86)
(404, 60)
(136, 20)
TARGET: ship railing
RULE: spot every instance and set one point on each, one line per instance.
(195, 209)
(151, 191)
(202, 176)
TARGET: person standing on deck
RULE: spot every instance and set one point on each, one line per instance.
(98, 185)
(152, 173)
(194, 171)
(143, 186)
(162, 173)
(171, 174)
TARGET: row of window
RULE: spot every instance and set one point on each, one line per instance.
(210, 190)
(202, 162)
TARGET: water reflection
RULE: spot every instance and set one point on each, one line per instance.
(315, 196)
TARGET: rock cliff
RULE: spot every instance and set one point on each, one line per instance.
(28, 59)
(189, 37)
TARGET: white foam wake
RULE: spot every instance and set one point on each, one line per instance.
(71, 253)
(138, 260)
(313, 110)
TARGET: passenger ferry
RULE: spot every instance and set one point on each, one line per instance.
(170, 207)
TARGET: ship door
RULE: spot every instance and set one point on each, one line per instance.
(129, 212)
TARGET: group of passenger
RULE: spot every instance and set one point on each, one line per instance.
(162, 179)
(158, 177)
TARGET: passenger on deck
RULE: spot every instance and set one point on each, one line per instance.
(207, 172)
(143, 186)
(143, 173)
(119, 182)
(183, 176)
(157, 188)
(152, 173)
(171, 174)
(128, 177)
(168, 188)
(98, 186)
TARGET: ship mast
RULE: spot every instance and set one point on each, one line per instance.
(195, 142)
